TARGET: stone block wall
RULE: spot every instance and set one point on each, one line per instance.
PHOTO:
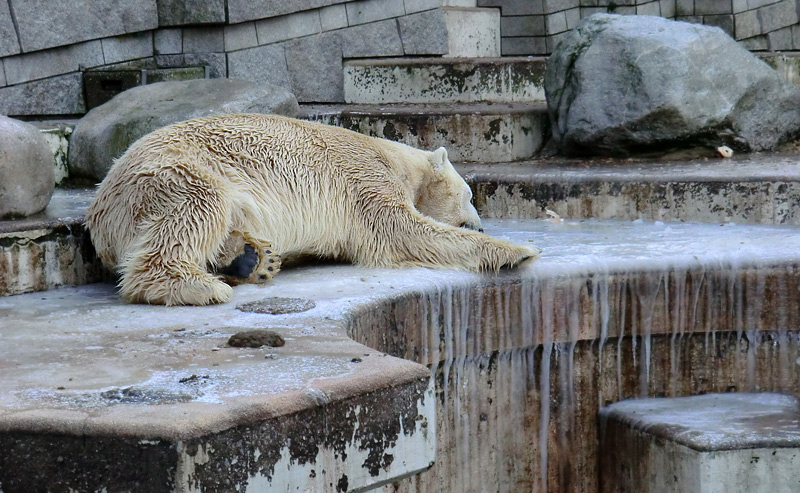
(533, 27)
(45, 46)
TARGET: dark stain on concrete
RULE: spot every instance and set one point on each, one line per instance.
(382, 416)
(61, 464)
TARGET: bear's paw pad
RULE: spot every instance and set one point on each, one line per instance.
(269, 264)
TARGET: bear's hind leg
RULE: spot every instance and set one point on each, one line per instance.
(254, 262)
(167, 264)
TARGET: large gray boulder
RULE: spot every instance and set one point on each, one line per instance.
(623, 84)
(27, 177)
(108, 130)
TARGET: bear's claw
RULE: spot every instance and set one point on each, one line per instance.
(269, 264)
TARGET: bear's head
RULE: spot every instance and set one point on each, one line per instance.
(446, 197)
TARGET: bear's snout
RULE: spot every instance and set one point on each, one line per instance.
(472, 226)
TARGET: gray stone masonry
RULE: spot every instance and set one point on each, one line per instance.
(190, 12)
(43, 50)
(43, 45)
(532, 27)
(9, 43)
(42, 24)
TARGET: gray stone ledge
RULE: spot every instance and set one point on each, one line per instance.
(126, 48)
(240, 36)
(251, 10)
(287, 27)
(39, 65)
(375, 39)
(364, 11)
(168, 41)
(61, 95)
(203, 40)
(9, 43)
(50, 24)
(183, 12)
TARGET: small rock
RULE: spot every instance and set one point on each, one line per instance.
(725, 151)
(256, 338)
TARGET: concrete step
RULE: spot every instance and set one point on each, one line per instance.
(50, 249)
(442, 80)
(756, 188)
(472, 32)
(478, 132)
(704, 444)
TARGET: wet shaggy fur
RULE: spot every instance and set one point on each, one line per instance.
(184, 201)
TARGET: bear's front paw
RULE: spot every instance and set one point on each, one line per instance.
(269, 264)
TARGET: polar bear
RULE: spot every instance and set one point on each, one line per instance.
(217, 198)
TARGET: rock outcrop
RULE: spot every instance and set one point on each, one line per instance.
(623, 84)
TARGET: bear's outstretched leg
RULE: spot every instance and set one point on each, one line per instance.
(254, 260)
(421, 241)
(167, 264)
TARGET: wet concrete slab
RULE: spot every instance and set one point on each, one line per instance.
(703, 443)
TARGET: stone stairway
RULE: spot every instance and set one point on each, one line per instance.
(485, 110)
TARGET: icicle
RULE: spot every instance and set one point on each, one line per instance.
(547, 307)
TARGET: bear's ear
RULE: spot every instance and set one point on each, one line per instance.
(439, 158)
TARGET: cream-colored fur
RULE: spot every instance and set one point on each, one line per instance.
(186, 198)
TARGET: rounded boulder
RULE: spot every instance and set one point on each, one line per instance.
(27, 176)
(624, 84)
(105, 132)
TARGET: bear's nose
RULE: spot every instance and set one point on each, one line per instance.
(467, 225)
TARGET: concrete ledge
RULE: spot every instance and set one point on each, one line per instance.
(437, 80)
(705, 443)
(50, 249)
(753, 188)
(161, 383)
(478, 132)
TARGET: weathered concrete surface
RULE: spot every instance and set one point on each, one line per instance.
(106, 131)
(515, 356)
(619, 84)
(26, 169)
(471, 32)
(747, 189)
(117, 386)
(706, 443)
(437, 80)
(478, 132)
